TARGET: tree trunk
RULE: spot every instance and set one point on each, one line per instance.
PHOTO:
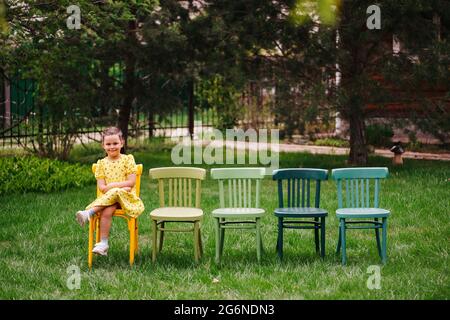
(125, 109)
(151, 124)
(352, 61)
(191, 109)
(128, 86)
(358, 149)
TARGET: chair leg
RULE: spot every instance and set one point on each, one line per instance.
(161, 237)
(322, 237)
(136, 234)
(200, 243)
(316, 235)
(92, 223)
(343, 240)
(132, 227)
(196, 247)
(338, 248)
(97, 229)
(258, 238)
(217, 227)
(384, 234)
(154, 246)
(222, 236)
(280, 239)
(377, 235)
(261, 241)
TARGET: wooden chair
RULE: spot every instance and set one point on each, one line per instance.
(293, 210)
(359, 205)
(241, 204)
(94, 221)
(179, 206)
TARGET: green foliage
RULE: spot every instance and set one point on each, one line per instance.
(25, 174)
(332, 142)
(305, 9)
(83, 75)
(379, 135)
(3, 24)
(159, 46)
(221, 95)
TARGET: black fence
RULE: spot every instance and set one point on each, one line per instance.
(25, 123)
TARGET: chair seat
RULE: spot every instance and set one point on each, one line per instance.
(116, 213)
(362, 213)
(177, 214)
(295, 212)
(238, 212)
(119, 212)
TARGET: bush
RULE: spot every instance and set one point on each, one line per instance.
(330, 142)
(24, 174)
(379, 135)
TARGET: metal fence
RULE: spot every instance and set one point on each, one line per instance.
(25, 123)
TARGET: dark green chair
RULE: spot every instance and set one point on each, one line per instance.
(294, 206)
(360, 211)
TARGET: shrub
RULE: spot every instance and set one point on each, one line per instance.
(24, 174)
(330, 142)
(379, 135)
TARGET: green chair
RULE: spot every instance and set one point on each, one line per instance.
(179, 208)
(239, 190)
(294, 206)
(361, 210)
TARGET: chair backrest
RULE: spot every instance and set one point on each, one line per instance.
(239, 187)
(137, 186)
(298, 186)
(179, 184)
(358, 183)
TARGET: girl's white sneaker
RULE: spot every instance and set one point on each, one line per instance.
(101, 249)
(82, 217)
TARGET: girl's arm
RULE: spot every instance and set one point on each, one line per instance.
(129, 183)
(101, 185)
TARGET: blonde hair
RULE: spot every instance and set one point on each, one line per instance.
(111, 131)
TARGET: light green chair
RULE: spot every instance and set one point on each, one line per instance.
(183, 185)
(239, 190)
(361, 210)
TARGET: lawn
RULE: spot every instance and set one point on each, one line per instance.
(40, 241)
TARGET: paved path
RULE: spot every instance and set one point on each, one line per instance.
(284, 147)
(380, 152)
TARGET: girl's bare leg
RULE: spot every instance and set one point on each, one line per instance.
(98, 208)
(83, 216)
(106, 219)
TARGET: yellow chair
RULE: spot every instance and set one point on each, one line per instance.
(179, 205)
(94, 221)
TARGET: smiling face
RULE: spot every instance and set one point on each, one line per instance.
(112, 145)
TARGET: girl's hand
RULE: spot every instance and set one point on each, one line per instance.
(112, 185)
(127, 189)
(107, 187)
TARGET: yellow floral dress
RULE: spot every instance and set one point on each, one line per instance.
(118, 171)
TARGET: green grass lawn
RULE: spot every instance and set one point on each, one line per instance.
(40, 240)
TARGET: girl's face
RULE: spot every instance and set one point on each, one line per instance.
(112, 145)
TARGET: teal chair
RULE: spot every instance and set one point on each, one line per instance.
(294, 206)
(361, 210)
(239, 190)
